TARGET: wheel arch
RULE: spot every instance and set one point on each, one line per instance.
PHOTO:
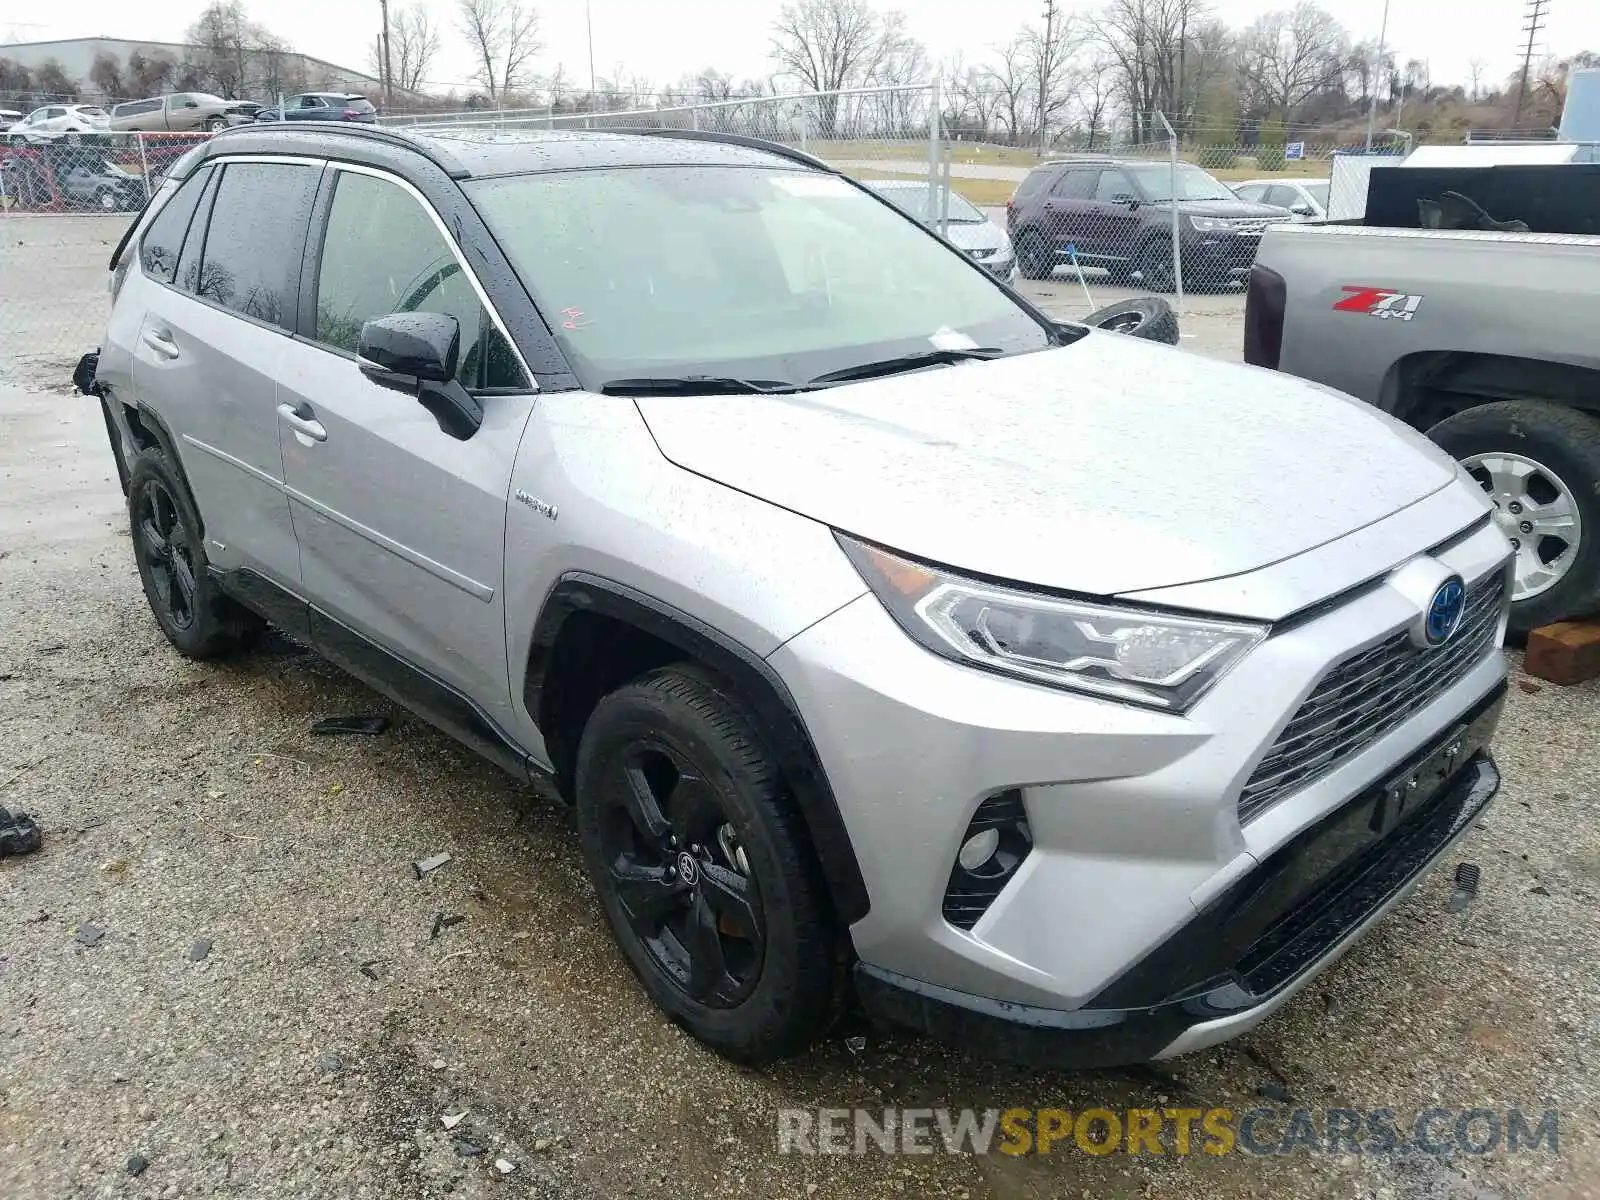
(1428, 386)
(593, 634)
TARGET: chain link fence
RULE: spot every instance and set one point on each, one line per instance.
(64, 204)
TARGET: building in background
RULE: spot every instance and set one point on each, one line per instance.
(103, 70)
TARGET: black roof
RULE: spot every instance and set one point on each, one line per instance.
(470, 152)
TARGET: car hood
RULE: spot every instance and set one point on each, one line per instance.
(1111, 465)
(978, 235)
(1228, 208)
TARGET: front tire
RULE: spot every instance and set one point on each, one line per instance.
(106, 199)
(198, 619)
(703, 868)
(1540, 464)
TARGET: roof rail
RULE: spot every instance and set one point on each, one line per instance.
(734, 139)
(1071, 158)
(374, 133)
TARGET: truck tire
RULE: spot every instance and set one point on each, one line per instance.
(703, 868)
(1147, 317)
(1540, 463)
(198, 619)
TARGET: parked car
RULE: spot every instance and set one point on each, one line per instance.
(322, 106)
(101, 184)
(243, 112)
(181, 112)
(69, 123)
(777, 533)
(1118, 215)
(967, 227)
(1307, 199)
(1505, 375)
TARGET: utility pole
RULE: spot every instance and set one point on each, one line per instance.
(1537, 13)
(588, 20)
(388, 70)
(1372, 100)
(1047, 65)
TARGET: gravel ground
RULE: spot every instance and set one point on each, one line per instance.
(314, 1048)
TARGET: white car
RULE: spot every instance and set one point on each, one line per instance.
(59, 122)
(968, 229)
(1307, 199)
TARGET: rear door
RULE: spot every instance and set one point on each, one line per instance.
(212, 345)
(1065, 209)
(401, 525)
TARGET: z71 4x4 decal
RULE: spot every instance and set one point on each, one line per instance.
(1378, 302)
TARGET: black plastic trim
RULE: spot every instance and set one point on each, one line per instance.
(384, 671)
(775, 714)
(1145, 1011)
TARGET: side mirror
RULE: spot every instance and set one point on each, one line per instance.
(1124, 198)
(1303, 210)
(417, 353)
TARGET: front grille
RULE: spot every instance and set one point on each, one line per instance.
(1367, 695)
(1250, 224)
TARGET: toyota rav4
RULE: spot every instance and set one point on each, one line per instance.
(1072, 697)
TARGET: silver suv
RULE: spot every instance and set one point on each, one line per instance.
(1073, 698)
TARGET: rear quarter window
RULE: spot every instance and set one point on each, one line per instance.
(1034, 183)
(163, 241)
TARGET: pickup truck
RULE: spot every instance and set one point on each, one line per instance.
(181, 112)
(1486, 342)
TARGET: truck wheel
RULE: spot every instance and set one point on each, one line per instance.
(106, 199)
(217, 124)
(192, 611)
(704, 871)
(1147, 317)
(1540, 464)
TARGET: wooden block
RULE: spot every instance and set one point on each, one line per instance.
(1566, 652)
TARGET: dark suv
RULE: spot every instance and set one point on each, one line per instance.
(1118, 215)
(322, 106)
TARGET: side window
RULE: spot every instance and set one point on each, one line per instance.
(1284, 197)
(1112, 185)
(383, 254)
(1035, 181)
(1075, 185)
(256, 239)
(163, 241)
(1251, 192)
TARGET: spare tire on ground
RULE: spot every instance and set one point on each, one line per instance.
(1147, 317)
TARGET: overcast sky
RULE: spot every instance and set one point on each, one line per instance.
(662, 40)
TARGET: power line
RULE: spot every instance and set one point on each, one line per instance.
(1538, 11)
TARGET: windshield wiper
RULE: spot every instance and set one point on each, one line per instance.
(904, 362)
(695, 385)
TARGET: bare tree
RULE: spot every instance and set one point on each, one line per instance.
(1049, 51)
(1151, 43)
(1012, 83)
(826, 45)
(503, 38)
(1475, 68)
(413, 45)
(1096, 86)
(106, 74)
(1286, 57)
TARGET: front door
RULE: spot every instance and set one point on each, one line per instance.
(401, 525)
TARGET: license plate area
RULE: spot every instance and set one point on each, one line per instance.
(1415, 785)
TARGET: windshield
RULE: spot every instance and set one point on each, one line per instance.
(1155, 181)
(763, 273)
(1318, 192)
(912, 199)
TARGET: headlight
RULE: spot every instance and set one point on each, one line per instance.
(1211, 224)
(1163, 661)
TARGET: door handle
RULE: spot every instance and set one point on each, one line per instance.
(301, 423)
(161, 342)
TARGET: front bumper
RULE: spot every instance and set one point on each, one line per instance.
(1241, 958)
(1133, 813)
